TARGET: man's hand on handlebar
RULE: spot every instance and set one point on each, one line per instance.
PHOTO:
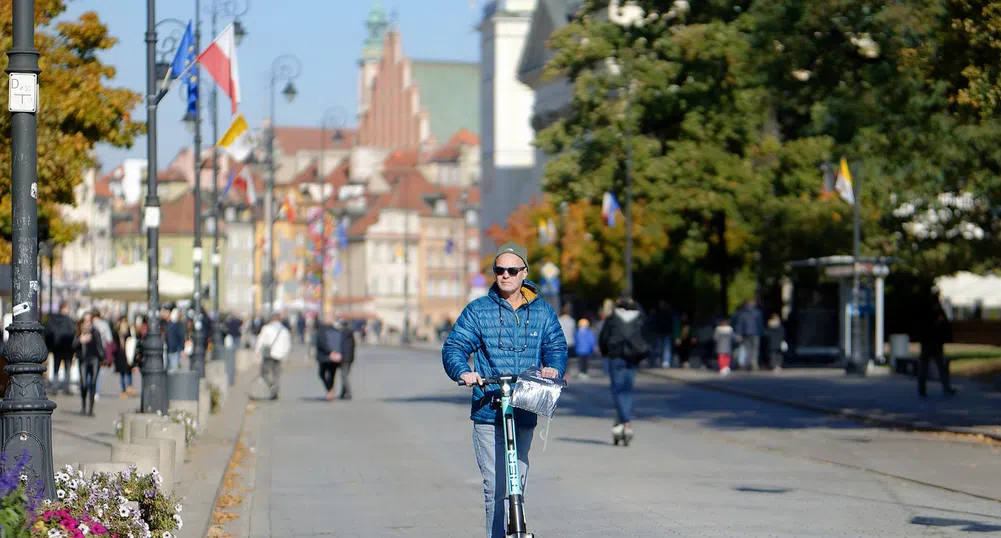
(471, 379)
(551, 373)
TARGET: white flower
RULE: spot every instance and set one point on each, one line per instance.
(73, 484)
(69, 468)
(124, 511)
(100, 511)
(60, 494)
(167, 534)
(62, 477)
(84, 529)
(71, 496)
(177, 509)
(46, 502)
(56, 533)
(802, 75)
(180, 524)
(23, 478)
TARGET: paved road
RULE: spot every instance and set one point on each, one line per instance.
(397, 461)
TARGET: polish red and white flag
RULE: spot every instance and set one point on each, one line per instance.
(219, 59)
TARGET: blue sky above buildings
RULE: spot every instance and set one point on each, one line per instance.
(326, 35)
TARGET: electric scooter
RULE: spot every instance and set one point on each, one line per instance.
(516, 526)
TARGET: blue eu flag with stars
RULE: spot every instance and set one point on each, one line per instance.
(184, 59)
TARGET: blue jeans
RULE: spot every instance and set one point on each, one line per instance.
(173, 361)
(623, 377)
(488, 442)
(666, 351)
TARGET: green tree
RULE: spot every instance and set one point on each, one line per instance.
(77, 110)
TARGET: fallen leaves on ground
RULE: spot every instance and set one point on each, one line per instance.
(219, 517)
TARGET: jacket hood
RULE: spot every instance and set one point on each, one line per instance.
(626, 315)
(528, 288)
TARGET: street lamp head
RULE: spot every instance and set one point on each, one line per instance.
(289, 92)
(161, 70)
(190, 122)
(239, 31)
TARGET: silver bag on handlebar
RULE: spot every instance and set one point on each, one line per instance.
(535, 393)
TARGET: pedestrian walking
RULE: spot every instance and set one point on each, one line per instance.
(59, 334)
(585, 344)
(936, 330)
(274, 345)
(508, 331)
(723, 338)
(124, 355)
(748, 327)
(335, 350)
(90, 353)
(624, 343)
(175, 340)
(775, 333)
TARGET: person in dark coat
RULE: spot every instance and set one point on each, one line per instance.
(59, 334)
(936, 330)
(122, 332)
(90, 353)
(335, 350)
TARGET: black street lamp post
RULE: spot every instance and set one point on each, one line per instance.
(285, 67)
(26, 411)
(154, 376)
(227, 9)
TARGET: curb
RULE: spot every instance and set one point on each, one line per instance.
(844, 413)
(235, 404)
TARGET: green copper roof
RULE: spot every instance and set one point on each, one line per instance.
(450, 91)
(377, 25)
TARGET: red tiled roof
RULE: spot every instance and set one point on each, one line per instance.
(401, 158)
(296, 139)
(464, 137)
(452, 149)
(102, 187)
(408, 188)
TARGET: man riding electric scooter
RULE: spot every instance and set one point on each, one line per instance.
(508, 331)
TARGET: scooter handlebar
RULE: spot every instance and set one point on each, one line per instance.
(497, 380)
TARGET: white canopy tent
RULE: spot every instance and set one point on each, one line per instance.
(129, 282)
(964, 289)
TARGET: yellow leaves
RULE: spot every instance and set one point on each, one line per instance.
(77, 110)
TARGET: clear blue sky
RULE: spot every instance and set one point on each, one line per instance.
(326, 35)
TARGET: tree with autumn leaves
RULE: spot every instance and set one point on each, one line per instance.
(732, 107)
(77, 110)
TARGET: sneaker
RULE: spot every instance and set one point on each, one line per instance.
(724, 372)
(582, 376)
(618, 429)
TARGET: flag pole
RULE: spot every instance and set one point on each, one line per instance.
(856, 320)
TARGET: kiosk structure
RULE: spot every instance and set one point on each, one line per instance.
(826, 329)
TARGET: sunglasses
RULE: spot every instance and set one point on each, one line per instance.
(513, 271)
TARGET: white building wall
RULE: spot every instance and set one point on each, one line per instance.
(508, 157)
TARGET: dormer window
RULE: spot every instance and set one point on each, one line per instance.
(440, 207)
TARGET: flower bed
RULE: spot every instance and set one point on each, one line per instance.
(119, 505)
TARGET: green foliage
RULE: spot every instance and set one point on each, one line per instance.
(728, 109)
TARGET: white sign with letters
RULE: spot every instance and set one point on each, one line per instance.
(23, 95)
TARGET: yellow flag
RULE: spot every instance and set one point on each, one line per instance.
(236, 141)
(843, 184)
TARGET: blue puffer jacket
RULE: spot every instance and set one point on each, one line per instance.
(504, 341)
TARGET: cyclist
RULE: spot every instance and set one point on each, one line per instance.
(507, 331)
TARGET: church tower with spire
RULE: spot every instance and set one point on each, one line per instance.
(371, 53)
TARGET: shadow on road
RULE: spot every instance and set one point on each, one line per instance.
(664, 401)
(965, 525)
(756, 489)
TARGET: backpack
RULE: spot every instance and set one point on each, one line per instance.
(635, 347)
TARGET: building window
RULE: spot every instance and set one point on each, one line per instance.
(441, 207)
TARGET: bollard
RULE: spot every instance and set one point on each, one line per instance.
(90, 468)
(215, 374)
(174, 432)
(139, 422)
(127, 424)
(204, 402)
(165, 458)
(231, 365)
(144, 457)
